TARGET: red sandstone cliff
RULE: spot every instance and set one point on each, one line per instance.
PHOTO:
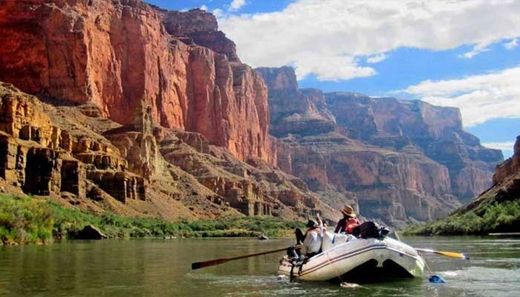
(117, 54)
(74, 156)
(435, 131)
(397, 160)
(294, 111)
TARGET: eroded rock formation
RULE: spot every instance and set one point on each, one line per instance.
(43, 156)
(116, 54)
(151, 112)
(138, 169)
(435, 131)
(397, 160)
(293, 111)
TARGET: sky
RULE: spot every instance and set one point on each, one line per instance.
(460, 53)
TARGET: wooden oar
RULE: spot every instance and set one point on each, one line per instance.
(203, 264)
(444, 253)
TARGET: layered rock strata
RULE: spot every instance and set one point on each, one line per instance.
(396, 160)
(435, 131)
(44, 157)
(74, 155)
(115, 54)
(293, 111)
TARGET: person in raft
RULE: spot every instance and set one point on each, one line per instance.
(312, 239)
(348, 222)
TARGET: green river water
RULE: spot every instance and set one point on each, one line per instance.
(162, 268)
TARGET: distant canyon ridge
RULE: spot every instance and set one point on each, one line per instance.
(122, 106)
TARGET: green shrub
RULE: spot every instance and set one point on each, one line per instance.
(494, 217)
(30, 220)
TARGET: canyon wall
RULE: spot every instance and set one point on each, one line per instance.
(117, 54)
(396, 160)
(144, 111)
(136, 110)
(76, 156)
(505, 189)
(510, 167)
(435, 131)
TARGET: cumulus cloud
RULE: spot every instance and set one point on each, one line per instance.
(479, 97)
(236, 4)
(310, 34)
(378, 58)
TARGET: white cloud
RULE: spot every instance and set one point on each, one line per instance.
(307, 34)
(345, 66)
(504, 146)
(476, 50)
(204, 7)
(377, 58)
(511, 44)
(236, 5)
(219, 13)
(479, 97)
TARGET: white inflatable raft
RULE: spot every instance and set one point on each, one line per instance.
(357, 259)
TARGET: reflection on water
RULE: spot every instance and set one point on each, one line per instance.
(162, 268)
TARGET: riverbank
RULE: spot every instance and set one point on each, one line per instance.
(487, 218)
(38, 221)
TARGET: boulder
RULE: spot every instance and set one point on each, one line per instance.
(89, 232)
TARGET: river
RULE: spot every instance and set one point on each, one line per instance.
(162, 268)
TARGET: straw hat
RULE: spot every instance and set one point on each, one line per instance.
(348, 211)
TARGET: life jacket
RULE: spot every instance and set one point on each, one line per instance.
(350, 224)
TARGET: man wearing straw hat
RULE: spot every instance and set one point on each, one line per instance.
(348, 222)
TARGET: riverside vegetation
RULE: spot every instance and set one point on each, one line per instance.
(25, 220)
(491, 217)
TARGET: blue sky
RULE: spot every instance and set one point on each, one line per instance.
(464, 54)
(210, 5)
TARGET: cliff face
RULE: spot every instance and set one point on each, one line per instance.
(506, 181)
(510, 167)
(75, 156)
(151, 112)
(117, 54)
(293, 111)
(435, 131)
(397, 160)
(495, 210)
(122, 83)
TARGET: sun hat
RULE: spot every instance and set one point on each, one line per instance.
(348, 211)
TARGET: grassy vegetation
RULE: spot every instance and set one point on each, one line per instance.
(494, 217)
(30, 220)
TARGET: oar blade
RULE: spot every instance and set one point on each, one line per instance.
(198, 265)
(453, 255)
(444, 253)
